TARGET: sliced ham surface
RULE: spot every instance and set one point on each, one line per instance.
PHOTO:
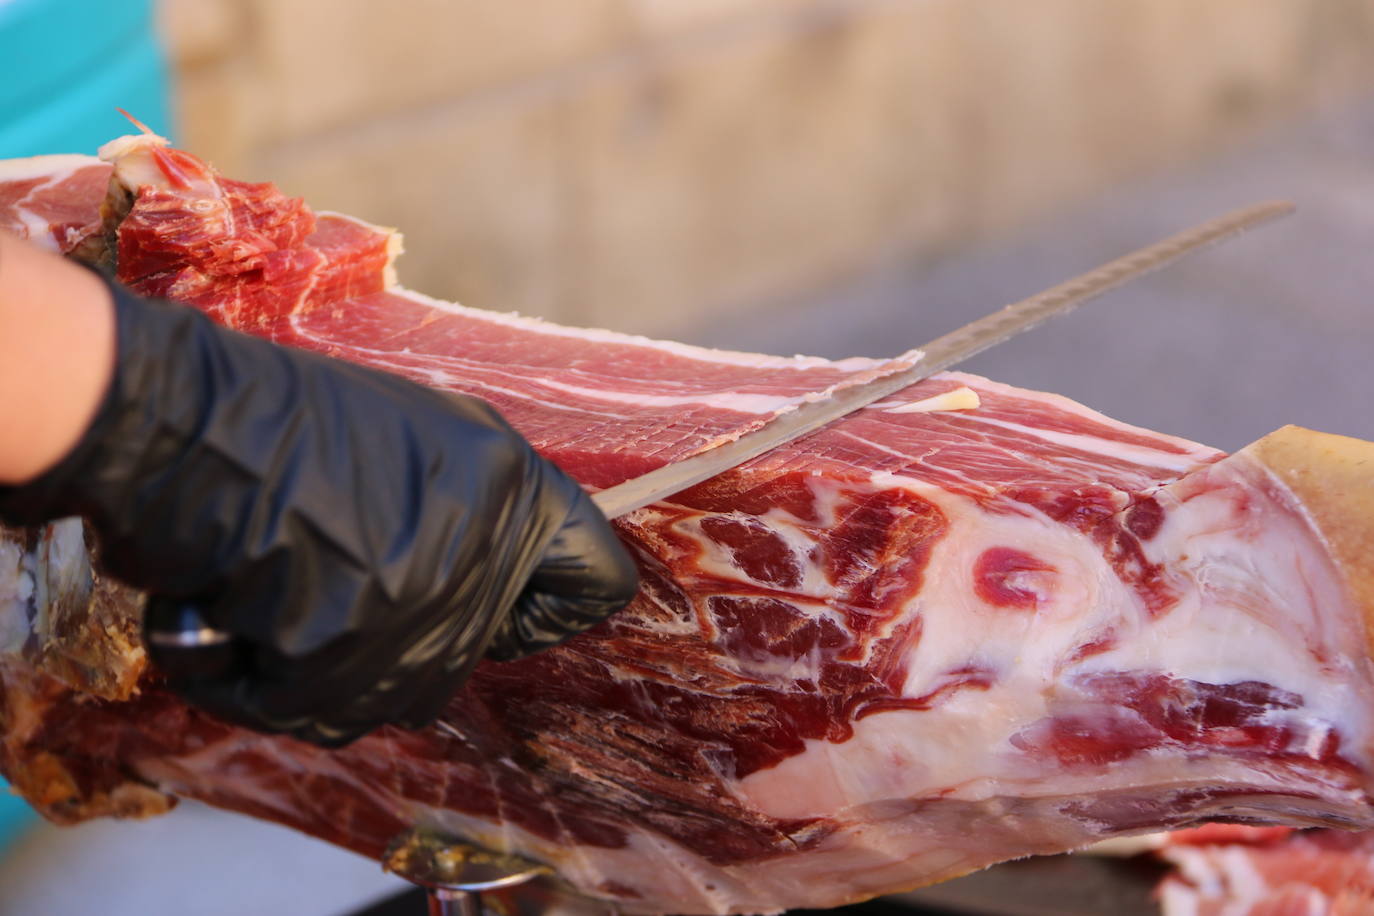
(53, 200)
(917, 642)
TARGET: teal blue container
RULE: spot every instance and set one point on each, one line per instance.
(65, 66)
(15, 816)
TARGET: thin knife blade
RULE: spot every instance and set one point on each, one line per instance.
(938, 355)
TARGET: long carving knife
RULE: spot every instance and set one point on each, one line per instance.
(936, 356)
(203, 651)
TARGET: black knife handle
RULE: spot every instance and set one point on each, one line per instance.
(182, 642)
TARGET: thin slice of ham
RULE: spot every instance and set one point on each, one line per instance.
(912, 644)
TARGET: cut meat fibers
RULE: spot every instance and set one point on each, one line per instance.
(917, 642)
(1312, 873)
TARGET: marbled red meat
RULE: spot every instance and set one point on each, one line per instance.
(914, 643)
(1311, 873)
(53, 199)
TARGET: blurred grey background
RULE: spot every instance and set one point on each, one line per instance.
(1271, 328)
(834, 177)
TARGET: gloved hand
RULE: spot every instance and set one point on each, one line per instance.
(364, 540)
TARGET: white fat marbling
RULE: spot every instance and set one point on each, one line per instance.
(961, 398)
(705, 354)
(59, 165)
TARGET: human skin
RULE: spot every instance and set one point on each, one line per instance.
(57, 353)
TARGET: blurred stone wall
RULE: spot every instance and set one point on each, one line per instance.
(649, 164)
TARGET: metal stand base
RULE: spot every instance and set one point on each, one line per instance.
(454, 903)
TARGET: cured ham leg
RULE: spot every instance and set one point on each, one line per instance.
(966, 624)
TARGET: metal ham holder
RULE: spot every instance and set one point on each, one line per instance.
(455, 873)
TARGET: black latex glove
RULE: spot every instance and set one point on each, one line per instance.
(364, 539)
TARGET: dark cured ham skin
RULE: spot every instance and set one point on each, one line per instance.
(912, 644)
